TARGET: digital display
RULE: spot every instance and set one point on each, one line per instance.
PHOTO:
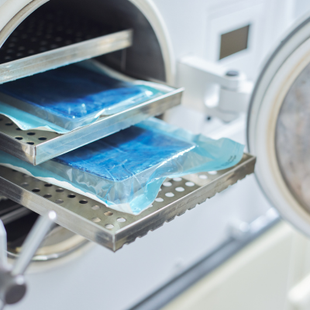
(234, 41)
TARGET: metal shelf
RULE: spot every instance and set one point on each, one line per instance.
(37, 146)
(49, 39)
(113, 229)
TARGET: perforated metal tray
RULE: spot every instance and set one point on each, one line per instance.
(50, 38)
(113, 229)
(35, 146)
(23, 67)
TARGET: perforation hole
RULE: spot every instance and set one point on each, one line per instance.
(19, 138)
(121, 219)
(47, 195)
(30, 143)
(190, 184)
(109, 226)
(169, 194)
(59, 190)
(83, 201)
(96, 220)
(8, 124)
(31, 133)
(48, 185)
(167, 184)
(108, 213)
(71, 196)
(36, 190)
(180, 189)
(159, 199)
(95, 208)
(59, 201)
(203, 176)
(212, 172)
(42, 138)
(177, 179)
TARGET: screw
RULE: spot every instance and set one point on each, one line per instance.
(232, 73)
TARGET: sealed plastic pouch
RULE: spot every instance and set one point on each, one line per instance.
(72, 96)
(125, 170)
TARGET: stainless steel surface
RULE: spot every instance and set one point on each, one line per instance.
(14, 215)
(55, 58)
(48, 39)
(18, 18)
(35, 146)
(12, 281)
(3, 246)
(59, 243)
(292, 139)
(33, 242)
(19, 220)
(144, 59)
(110, 228)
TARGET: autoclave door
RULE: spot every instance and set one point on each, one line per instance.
(279, 126)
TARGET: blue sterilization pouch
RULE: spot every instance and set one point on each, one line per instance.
(70, 97)
(125, 170)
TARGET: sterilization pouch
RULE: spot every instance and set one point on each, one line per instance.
(70, 97)
(125, 170)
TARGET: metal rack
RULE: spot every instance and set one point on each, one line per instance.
(36, 146)
(112, 229)
(49, 39)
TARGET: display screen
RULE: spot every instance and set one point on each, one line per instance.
(234, 41)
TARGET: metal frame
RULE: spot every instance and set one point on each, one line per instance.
(112, 229)
(37, 146)
(62, 56)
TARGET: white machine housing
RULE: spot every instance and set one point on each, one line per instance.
(166, 32)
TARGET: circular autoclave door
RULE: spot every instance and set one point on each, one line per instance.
(279, 127)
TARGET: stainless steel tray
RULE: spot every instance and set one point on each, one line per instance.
(113, 229)
(50, 38)
(62, 56)
(35, 146)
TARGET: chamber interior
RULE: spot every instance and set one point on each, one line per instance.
(59, 23)
(18, 222)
